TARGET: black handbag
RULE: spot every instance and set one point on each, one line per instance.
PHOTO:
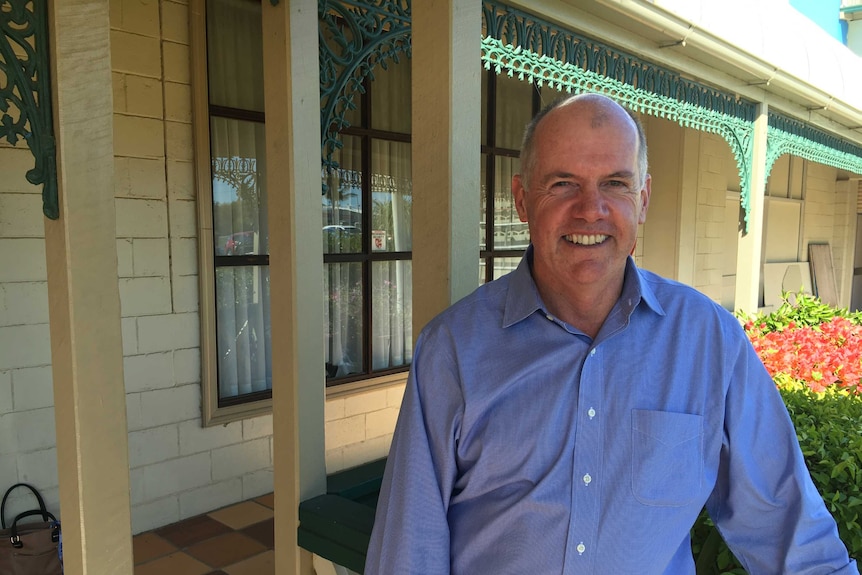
(30, 548)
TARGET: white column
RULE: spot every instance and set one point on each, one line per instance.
(750, 244)
(445, 141)
(84, 300)
(292, 104)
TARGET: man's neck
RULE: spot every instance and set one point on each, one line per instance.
(584, 307)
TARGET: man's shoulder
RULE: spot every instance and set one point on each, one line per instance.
(480, 311)
(676, 297)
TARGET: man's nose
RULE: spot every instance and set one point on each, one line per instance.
(589, 204)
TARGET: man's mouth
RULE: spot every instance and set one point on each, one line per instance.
(586, 240)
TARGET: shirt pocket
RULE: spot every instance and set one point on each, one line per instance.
(667, 457)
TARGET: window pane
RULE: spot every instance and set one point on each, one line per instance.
(509, 231)
(239, 191)
(502, 266)
(390, 97)
(392, 314)
(514, 110)
(342, 201)
(342, 316)
(243, 330)
(234, 49)
(391, 197)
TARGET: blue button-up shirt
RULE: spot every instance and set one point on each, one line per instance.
(523, 446)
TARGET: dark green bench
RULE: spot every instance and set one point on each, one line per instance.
(337, 525)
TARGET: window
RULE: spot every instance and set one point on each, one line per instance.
(367, 235)
(366, 220)
(233, 234)
(508, 104)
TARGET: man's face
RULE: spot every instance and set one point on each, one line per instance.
(585, 199)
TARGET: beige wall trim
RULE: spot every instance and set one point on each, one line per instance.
(84, 300)
(292, 105)
(750, 245)
(446, 39)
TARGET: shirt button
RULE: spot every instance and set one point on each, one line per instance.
(550, 317)
(591, 413)
(581, 548)
(587, 479)
(592, 352)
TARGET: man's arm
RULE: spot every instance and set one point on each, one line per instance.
(765, 504)
(411, 532)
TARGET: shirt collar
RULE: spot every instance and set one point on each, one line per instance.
(523, 296)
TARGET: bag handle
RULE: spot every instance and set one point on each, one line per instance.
(42, 509)
(13, 531)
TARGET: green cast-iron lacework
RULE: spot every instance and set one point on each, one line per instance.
(25, 91)
(542, 53)
(789, 136)
(355, 36)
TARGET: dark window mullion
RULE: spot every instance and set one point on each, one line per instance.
(367, 315)
(491, 160)
(236, 114)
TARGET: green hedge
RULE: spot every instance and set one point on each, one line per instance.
(829, 428)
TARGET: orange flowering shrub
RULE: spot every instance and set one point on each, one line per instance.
(821, 356)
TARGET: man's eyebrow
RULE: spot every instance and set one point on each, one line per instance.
(622, 174)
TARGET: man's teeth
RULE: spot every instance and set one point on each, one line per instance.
(586, 240)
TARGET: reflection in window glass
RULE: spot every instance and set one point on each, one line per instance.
(392, 314)
(342, 201)
(502, 266)
(509, 231)
(239, 190)
(342, 317)
(391, 197)
(243, 332)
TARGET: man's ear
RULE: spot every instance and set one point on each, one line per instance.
(519, 192)
(644, 198)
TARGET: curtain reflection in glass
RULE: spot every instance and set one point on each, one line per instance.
(239, 192)
(342, 316)
(342, 201)
(392, 314)
(244, 339)
(391, 197)
(509, 231)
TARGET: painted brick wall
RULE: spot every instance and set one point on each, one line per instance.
(27, 448)
(177, 468)
(717, 172)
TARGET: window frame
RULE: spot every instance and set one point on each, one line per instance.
(259, 403)
(367, 257)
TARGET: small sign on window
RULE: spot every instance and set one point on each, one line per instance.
(378, 240)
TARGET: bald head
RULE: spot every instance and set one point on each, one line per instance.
(601, 110)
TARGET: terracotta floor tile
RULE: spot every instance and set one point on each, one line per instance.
(174, 564)
(192, 530)
(263, 532)
(225, 549)
(262, 564)
(242, 514)
(148, 546)
(268, 500)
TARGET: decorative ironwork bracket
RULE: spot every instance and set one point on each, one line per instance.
(25, 91)
(355, 36)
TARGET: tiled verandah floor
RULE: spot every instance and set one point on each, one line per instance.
(235, 540)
